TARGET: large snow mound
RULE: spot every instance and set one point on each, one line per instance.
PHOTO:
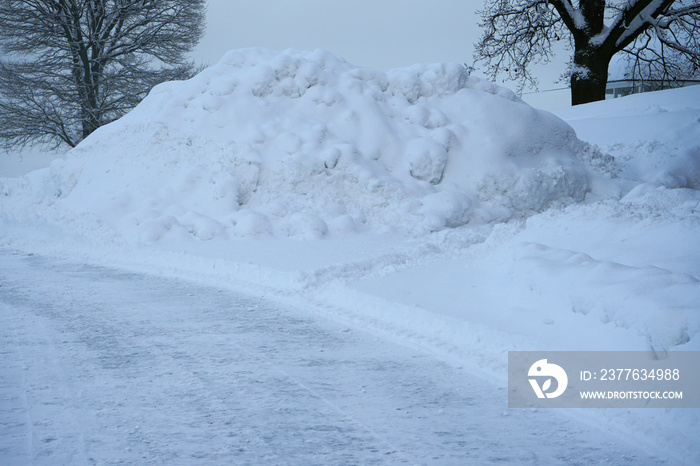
(304, 144)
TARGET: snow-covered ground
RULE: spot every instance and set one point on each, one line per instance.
(102, 366)
(429, 208)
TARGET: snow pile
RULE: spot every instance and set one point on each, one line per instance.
(267, 145)
(304, 144)
(654, 137)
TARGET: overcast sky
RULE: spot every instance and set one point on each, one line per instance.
(381, 34)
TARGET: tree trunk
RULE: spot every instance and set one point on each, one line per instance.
(589, 76)
(90, 82)
(91, 111)
(90, 123)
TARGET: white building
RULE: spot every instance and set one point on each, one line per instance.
(620, 83)
(622, 87)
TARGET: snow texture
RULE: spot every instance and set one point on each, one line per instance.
(304, 144)
(434, 209)
(130, 368)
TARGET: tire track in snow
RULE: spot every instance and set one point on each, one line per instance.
(16, 420)
(43, 412)
(163, 371)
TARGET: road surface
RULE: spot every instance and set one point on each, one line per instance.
(103, 366)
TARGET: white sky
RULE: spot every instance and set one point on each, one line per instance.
(381, 34)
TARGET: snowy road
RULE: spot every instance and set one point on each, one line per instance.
(102, 366)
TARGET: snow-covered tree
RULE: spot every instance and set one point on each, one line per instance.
(69, 66)
(660, 36)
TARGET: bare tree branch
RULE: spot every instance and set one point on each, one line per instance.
(659, 37)
(71, 66)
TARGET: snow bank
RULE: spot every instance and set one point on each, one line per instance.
(654, 137)
(304, 144)
(267, 145)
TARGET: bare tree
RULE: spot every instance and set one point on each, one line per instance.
(71, 66)
(660, 36)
